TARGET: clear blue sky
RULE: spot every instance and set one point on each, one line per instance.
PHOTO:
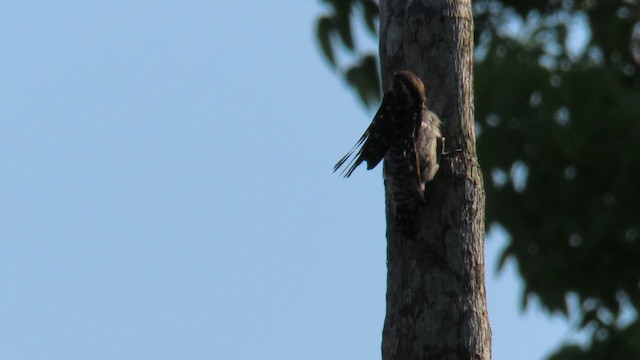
(167, 191)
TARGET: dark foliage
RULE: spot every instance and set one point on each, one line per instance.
(558, 139)
(334, 30)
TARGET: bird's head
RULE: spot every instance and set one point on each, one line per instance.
(407, 89)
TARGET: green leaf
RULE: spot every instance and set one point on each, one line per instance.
(325, 28)
(343, 25)
(370, 12)
(363, 77)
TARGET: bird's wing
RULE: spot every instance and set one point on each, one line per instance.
(373, 144)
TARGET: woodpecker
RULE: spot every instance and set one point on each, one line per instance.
(403, 130)
(407, 135)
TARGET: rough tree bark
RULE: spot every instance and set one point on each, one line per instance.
(436, 301)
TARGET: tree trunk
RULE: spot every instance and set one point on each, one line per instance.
(436, 301)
